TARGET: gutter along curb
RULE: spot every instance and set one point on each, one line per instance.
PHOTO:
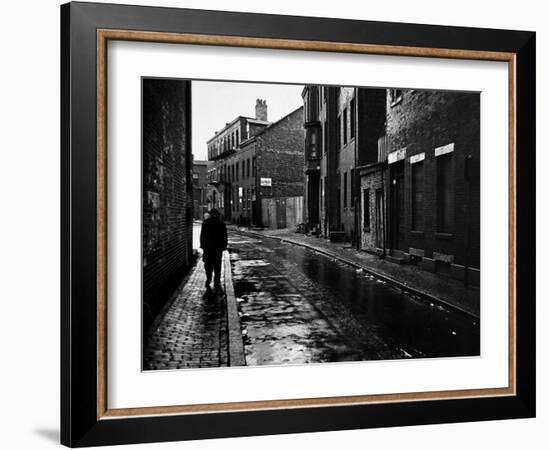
(390, 280)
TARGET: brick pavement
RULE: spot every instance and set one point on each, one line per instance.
(193, 331)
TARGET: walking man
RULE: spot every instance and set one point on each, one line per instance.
(213, 243)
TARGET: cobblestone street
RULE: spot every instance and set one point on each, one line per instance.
(193, 330)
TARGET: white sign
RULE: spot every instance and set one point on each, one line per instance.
(265, 182)
(398, 155)
(445, 149)
(417, 158)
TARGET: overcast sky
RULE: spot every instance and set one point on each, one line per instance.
(217, 103)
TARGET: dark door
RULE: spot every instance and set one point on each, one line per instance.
(397, 205)
(281, 213)
(379, 217)
(313, 199)
(338, 206)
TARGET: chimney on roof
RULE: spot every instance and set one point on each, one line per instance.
(261, 109)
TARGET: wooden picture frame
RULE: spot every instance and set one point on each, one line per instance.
(86, 418)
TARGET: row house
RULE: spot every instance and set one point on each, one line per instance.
(396, 174)
(336, 145)
(258, 179)
(200, 189)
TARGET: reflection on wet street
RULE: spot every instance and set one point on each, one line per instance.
(298, 306)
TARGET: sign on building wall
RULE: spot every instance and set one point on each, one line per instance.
(398, 155)
(265, 182)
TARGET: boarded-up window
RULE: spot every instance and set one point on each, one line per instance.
(345, 187)
(444, 193)
(417, 175)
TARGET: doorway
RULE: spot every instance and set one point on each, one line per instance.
(397, 206)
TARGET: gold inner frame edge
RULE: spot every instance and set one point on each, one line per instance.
(104, 35)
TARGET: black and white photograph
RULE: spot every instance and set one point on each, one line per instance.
(306, 224)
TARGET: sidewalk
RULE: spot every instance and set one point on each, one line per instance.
(433, 287)
(197, 328)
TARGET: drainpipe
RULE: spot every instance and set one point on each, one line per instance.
(358, 231)
(384, 209)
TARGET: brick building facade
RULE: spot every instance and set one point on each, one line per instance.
(342, 127)
(200, 189)
(433, 140)
(396, 172)
(265, 163)
(167, 191)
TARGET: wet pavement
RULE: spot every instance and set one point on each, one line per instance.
(192, 332)
(298, 306)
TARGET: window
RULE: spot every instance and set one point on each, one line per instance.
(242, 169)
(345, 187)
(314, 144)
(323, 192)
(395, 96)
(325, 143)
(345, 125)
(444, 193)
(338, 128)
(352, 118)
(352, 188)
(248, 167)
(417, 181)
(253, 166)
(237, 137)
(366, 209)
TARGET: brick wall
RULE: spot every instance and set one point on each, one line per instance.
(167, 191)
(423, 121)
(280, 155)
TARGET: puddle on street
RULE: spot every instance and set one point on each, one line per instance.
(298, 306)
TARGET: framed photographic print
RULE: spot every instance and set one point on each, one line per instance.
(276, 224)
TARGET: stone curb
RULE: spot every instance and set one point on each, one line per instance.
(235, 338)
(386, 278)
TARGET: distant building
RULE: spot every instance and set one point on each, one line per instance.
(257, 169)
(200, 189)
